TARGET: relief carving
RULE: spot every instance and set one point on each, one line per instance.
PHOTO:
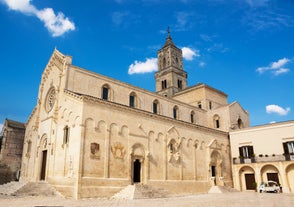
(174, 155)
(118, 150)
(95, 151)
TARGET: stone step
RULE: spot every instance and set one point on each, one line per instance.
(40, 188)
(222, 189)
(140, 191)
(11, 187)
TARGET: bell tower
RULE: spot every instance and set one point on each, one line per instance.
(170, 77)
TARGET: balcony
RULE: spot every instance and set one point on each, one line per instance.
(264, 158)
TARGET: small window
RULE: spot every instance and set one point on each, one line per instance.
(210, 105)
(240, 124)
(199, 105)
(163, 84)
(155, 107)
(132, 102)
(192, 117)
(180, 84)
(29, 148)
(216, 121)
(175, 112)
(246, 151)
(105, 92)
(65, 135)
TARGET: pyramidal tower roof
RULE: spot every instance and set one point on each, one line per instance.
(169, 40)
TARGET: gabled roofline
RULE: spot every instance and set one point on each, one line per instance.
(198, 86)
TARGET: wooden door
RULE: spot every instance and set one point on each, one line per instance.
(250, 181)
(43, 165)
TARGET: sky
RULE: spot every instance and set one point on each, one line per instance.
(244, 48)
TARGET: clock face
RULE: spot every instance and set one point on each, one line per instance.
(50, 99)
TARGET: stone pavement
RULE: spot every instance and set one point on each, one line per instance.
(233, 199)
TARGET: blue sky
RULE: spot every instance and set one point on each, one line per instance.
(244, 48)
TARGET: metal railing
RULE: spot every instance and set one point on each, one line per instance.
(263, 158)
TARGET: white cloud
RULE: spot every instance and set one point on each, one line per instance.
(277, 109)
(202, 64)
(1, 126)
(148, 66)
(276, 68)
(57, 25)
(189, 53)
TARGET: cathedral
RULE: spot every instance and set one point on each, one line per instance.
(91, 136)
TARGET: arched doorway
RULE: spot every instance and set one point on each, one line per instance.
(43, 157)
(247, 178)
(290, 177)
(215, 167)
(137, 163)
(270, 172)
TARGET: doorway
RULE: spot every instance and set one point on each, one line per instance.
(250, 181)
(213, 173)
(273, 177)
(137, 171)
(43, 165)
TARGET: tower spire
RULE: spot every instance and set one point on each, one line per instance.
(169, 40)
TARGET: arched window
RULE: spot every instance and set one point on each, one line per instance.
(133, 100)
(105, 95)
(192, 117)
(240, 124)
(176, 112)
(65, 135)
(216, 120)
(163, 84)
(155, 107)
(164, 62)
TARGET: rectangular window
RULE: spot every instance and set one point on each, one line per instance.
(210, 105)
(246, 151)
(180, 84)
(132, 101)
(288, 148)
(105, 93)
(199, 105)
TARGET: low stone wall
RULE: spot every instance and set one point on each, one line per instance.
(6, 174)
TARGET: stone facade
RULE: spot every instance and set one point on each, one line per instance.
(12, 138)
(263, 153)
(91, 136)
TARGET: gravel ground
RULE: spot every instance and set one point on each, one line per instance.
(238, 199)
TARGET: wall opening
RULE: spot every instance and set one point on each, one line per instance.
(137, 171)
(43, 165)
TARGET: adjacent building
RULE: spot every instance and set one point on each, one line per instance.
(90, 135)
(263, 153)
(11, 147)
